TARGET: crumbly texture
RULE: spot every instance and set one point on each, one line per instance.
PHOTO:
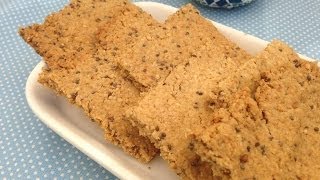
(191, 30)
(175, 108)
(266, 119)
(65, 37)
(119, 39)
(87, 79)
(148, 52)
(186, 60)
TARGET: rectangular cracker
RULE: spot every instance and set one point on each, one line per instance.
(76, 70)
(117, 39)
(266, 120)
(149, 52)
(174, 109)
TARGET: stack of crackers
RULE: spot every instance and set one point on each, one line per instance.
(181, 88)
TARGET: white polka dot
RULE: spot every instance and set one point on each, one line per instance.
(30, 148)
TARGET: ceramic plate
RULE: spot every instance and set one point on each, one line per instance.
(70, 122)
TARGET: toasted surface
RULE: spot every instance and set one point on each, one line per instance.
(175, 108)
(190, 25)
(149, 52)
(104, 95)
(189, 59)
(125, 38)
(65, 37)
(266, 119)
(87, 79)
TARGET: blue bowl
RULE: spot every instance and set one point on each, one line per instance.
(224, 3)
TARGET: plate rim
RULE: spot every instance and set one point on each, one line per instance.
(71, 136)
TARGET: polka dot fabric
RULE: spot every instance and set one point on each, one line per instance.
(28, 149)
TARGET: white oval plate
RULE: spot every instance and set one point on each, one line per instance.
(70, 122)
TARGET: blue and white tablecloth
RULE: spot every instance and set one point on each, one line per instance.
(28, 149)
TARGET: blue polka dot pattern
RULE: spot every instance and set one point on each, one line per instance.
(224, 3)
(28, 149)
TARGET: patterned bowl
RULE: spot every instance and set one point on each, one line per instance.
(224, 3)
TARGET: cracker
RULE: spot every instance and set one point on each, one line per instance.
(266, 119)
(149, 52)
(87, 79)
(178, 106)
(65, 37)
(119, 38)
(190, 58)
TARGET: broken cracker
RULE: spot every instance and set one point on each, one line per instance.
(66, 40)
(265, 119)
